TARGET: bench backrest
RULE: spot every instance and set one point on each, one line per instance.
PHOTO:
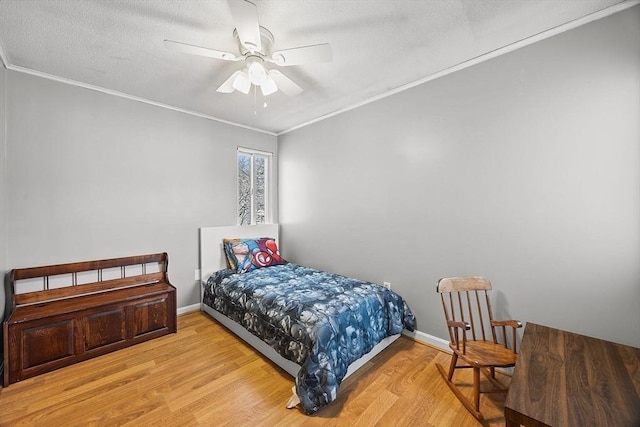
(81, 278)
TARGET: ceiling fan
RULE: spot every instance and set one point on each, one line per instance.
(255, 45)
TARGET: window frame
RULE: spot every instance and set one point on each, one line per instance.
(268, 158)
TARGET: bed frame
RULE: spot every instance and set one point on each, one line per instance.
(212, 259)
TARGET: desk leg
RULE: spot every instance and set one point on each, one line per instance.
(509, 419)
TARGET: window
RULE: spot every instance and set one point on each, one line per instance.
(253, 187)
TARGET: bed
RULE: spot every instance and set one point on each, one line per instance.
(319, 335)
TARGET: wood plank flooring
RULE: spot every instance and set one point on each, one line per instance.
(205, 376)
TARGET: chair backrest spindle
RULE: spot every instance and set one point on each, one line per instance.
(493, 330)
(480, 314)
(446, 314)
(470, 315)
(462, 317)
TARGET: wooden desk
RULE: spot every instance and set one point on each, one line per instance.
(566, 379)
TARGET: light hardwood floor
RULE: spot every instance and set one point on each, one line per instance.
(205, 376)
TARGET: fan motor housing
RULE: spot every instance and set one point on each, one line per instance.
(266, 41)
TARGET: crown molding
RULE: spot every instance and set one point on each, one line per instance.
(131, 97)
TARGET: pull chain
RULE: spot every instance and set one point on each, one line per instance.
(255, 101)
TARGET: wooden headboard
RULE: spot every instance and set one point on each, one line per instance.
(211, 253)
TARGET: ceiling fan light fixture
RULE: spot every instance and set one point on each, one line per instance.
(269, 86)
(242, 83)
(257, 73)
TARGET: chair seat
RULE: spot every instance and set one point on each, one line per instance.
(486, 354)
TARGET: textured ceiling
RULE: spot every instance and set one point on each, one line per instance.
(378, 46)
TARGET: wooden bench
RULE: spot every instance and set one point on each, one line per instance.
(63, 314)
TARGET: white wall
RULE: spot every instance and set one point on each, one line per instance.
(3, 191)
(524, 168)
(92, 176)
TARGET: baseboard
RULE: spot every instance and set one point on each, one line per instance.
(419, 336)
(443, 345)
(429, 340)
(188, 309)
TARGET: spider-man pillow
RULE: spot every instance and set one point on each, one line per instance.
(249, 254)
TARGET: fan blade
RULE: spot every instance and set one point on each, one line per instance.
(245, 17)
(303, 55)
(284, 83)
(197, 50)
(227, 86)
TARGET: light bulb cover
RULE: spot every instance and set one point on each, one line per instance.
(242, 83)
(257, 73)
(268, 86)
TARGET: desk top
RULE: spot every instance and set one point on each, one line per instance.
(566, 379)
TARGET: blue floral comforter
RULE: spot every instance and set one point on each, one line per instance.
(319, 320)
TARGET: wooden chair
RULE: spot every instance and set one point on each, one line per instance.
(467, 309)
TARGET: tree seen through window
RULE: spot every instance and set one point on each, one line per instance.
(253, 175)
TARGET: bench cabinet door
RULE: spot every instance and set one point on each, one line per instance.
(151, 315)
(47, 343)
(39, 346)
(104, 328)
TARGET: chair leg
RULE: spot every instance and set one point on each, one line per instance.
(476, 388)
(452, 366)
(497, 384)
